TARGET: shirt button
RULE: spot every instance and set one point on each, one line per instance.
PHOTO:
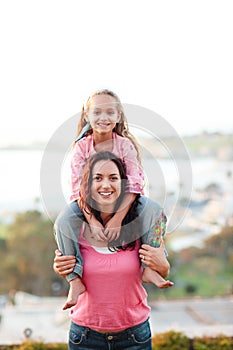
(110, 337)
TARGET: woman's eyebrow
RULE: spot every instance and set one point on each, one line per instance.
(108, 174)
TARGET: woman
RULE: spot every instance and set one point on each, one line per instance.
(113, 312)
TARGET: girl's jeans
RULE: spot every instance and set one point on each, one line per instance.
(149, 226)
(134, 338)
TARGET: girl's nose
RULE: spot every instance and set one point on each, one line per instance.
(103, 116)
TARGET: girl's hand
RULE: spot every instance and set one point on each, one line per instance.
(63, 264)
(155, 258)
(112, 230)
(97, 230)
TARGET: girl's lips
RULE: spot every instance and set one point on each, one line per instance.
(103, 124)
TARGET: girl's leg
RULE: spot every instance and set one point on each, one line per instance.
(66, 231)
(152, 221)
(153, 226)
(151, 276)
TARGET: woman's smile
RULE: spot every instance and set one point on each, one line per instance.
(105, 194)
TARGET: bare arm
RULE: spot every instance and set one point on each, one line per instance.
(113, 227)
(155, 259)
(96, 227)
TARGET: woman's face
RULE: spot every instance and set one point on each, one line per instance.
(106, 185)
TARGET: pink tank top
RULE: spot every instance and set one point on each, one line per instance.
(114, 298)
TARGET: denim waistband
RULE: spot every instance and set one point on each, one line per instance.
(125, 334)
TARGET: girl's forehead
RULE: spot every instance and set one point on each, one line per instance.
(103, 101)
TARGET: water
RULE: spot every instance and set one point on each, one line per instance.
(20, 177)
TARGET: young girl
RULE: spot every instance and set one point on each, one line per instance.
(103, 127)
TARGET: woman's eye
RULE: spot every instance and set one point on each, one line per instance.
(114, 178)
(97, 178)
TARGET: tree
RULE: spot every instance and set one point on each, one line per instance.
(27, 260)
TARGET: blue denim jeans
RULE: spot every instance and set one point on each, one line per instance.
(134, 338)
(66, 231)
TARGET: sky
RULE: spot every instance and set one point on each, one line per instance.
(172, 57)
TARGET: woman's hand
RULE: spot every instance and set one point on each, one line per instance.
(155, 258)
(63, 264)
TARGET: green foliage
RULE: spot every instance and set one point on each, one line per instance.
(170, 341)
(206, 272)
(34, 345)
(26, 261)
(207, 343)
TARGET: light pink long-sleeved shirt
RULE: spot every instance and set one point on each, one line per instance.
(114, 298)
(122, 148)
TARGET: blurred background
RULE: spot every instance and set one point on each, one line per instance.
(173, 58)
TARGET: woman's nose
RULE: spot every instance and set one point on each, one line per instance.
(105, 184)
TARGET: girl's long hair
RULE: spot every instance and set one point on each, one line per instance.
(121, 128)
(88, 205)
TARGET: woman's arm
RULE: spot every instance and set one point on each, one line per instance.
(155, 259)
(63, 264)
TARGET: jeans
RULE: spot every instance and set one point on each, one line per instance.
(66, 230)
(134, 338)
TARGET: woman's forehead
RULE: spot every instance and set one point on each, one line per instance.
(105, 166)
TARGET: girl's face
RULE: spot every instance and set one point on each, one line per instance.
(103, 114)
(106, 185)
